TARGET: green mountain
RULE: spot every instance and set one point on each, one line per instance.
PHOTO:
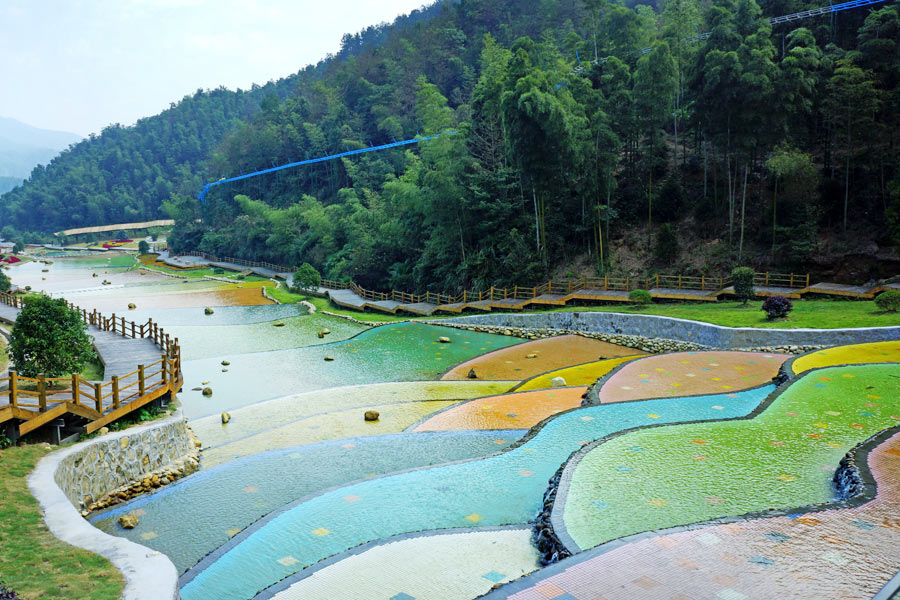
(583, 128)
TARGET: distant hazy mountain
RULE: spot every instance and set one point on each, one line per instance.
(22, 147)
(8, 183)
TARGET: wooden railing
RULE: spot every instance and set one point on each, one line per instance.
(146, 382)
(238, 261)
(566, 287)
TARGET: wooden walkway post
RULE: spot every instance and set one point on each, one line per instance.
(42, 393)
(13, 389)
(115, 391)
(141, 385)
(98, 397)
(165, 378)
(75, 392)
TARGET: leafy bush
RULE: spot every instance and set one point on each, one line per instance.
(888, 301)
(306, 279)
(743, 283)
(640, 297)
(4, 282)
(143, 247)
(777, 307)
(50, 338)
(7, 593)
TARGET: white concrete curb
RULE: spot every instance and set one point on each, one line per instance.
(149, 575)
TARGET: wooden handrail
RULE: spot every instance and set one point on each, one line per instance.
(81, 392)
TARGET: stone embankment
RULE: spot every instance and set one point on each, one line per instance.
(705, 335)
(67, 482)
(644, 344)
(115, 467)
(148, 482)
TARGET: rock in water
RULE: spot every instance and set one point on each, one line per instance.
(207, 391)
(321, 334)
(531, 355)
(225, 363)
(326, 331)
(208, 311)
(471, 374)
(128, 521)
(372, 415)
(225, 417)
(444, 340)
(132, 306)
(278, 324)
(557, 382)
(329, 358)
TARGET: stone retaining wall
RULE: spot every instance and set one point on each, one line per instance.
(111, 461)
(681, 330)
(63, 479)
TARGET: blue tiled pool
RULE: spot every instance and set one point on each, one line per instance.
(502, 489)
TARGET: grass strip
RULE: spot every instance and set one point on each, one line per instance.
(32, 561)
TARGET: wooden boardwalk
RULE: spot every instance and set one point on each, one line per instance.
(593, 289)
(141, 364)
(551, 294)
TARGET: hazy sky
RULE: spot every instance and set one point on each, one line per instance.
(79, 65)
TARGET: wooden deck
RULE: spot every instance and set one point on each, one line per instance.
(598, 289)
(551, 293)
(141, 364)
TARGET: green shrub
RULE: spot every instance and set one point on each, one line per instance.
(743, 283)
(306, 279)
(50, 338)
(4, 282)
(640, 297)
(143, 247)
(888, 301)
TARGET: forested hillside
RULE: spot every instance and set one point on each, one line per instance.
(125, 173)
(771, 145)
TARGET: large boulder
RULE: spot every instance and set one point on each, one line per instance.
(128, 521)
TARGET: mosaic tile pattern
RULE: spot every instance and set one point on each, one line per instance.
(335, 425)
(204, 341)
(689, 373)
(171, 296)
(550, 354)
(503, 489)
(876, 352)
(585, 374)
(519, 410)
(783, 457)
(844, 553)
(452, 566)
(396, 352)
(188, 525)
(289, 409)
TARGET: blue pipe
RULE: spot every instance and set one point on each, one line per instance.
(208, 186)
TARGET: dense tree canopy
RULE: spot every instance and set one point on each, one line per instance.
(49, 338)
(576, 122)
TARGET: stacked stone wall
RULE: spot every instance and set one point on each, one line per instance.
(118, 459)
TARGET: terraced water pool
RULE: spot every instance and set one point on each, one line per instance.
(506, 488)
(183, 522)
